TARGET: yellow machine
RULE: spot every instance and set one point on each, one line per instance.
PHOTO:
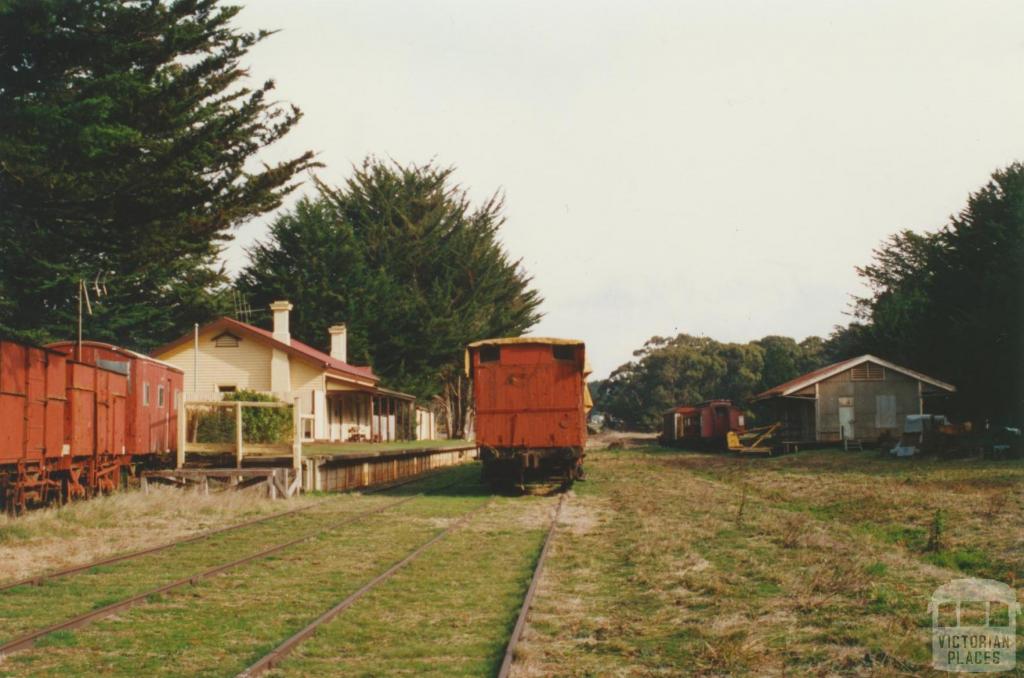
(750, 441)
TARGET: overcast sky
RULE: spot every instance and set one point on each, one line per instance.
(714, 167)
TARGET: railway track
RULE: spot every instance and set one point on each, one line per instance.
(75, 569)
(524, 610)
(27, 640)
(281, 652)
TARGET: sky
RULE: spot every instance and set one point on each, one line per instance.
(717, 167)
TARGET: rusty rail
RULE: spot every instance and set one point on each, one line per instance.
(517, 631)
(278, 654)
(28, 640)
(39, 579)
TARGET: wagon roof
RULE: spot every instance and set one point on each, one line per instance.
(127, 352)
(823, 373)
(526, 340)
(544, 341)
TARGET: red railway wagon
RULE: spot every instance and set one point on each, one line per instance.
(154, 388)
(705, 424)
(62, 426)
(531, 402)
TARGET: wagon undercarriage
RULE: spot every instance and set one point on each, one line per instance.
(531, 469)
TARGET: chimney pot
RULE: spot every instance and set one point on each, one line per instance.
(339, 342)
(281, 310)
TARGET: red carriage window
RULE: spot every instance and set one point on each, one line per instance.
(490, 354)
(564, 352)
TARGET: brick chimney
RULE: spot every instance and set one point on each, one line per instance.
(339, 342)
(280, 310)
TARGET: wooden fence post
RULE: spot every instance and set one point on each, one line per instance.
(238, 434)
(182, 431)
(297, 442)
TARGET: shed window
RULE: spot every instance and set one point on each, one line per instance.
(225, 340)
(145, 394)
(867, 372)
(160, 395)
(564, 352)
(490, 354)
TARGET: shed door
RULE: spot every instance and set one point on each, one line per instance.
(846, 418)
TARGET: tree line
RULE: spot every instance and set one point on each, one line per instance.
(948, 303)
(681, 370)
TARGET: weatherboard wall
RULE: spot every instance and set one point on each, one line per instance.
(879, 407)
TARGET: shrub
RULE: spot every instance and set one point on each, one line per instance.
(259, 424)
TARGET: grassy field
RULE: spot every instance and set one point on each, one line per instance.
(85, 531)
(665, 563)
(818, 563)
(221, 625)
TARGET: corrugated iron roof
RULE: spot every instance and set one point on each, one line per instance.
(294, 346)
(823, 373)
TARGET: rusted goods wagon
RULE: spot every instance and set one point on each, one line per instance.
(63, 426)
(705, 425)
(153, 389)
(531, 403)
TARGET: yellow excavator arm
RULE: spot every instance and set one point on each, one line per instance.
(750, 441)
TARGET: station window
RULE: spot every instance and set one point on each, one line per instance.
(490, 354)
(145, 394)
(564, 352)
(227, 389)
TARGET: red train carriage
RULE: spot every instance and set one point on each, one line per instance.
(531, 402)
(703, 425)
(66, 427)
(154, 388)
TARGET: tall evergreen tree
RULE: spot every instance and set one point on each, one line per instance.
(415, 270)
(951, 303)
(127, 152)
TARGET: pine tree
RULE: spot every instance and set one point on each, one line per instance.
(127, 152)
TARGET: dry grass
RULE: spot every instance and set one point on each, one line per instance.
(54, 538)
(709, 565)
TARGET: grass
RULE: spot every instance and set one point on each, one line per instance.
(449, 613)
(318, 449)
(810, 564)
(221, 625)
(54, 538)
(665, 563)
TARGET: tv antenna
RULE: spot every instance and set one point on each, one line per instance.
(243, 312)
(99, 287)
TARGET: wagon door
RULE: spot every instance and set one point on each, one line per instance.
(36, 404)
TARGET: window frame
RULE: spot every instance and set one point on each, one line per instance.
(490, 354)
